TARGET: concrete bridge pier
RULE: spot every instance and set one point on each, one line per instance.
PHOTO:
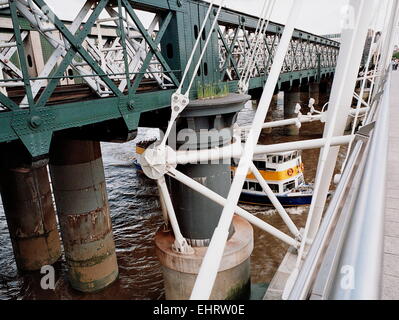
(77, 174)
(325, 90)
(314, 92)
(202, 125)
(269, 117)
(291, 98)
(28, 207)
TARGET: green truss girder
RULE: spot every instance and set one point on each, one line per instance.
(76, 47)
(229, 51)
(153, 45)
(150, 55)
(35, 129)
(21, 54)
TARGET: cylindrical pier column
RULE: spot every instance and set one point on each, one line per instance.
(325, 89)
(291, 98)
(272, 109)
(233, 280)
(28, 207)
(314, 92)
(78, 179)
(206, 124)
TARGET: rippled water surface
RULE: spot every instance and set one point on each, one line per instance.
(136, 216)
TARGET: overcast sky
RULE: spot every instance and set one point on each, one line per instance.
(317, 16)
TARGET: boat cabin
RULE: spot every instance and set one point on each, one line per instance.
(282, 171)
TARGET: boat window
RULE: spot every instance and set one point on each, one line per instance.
(288, 186)
(251, 186)
(280, 159)
(261, 165)
(274, 187)
(245, 185)
(259, 187)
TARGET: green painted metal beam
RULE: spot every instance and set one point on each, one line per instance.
(176, 27)
(76, 47)
(149, 56)
(149, 40)
(21, 55)
(7, 102)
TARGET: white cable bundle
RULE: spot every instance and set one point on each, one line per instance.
(179, 100)
(260, 33)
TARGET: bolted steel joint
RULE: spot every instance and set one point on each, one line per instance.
(154, 161)
(35, 122)
(179, 102)
(130, 105)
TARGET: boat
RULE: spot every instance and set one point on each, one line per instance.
(141, 146)
(283, 172)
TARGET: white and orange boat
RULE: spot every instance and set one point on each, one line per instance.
(283, 172)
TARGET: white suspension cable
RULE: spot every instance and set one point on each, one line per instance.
(180, 101)
(205, 47)
(197, 42)
(363, 86)
(261, 36)
(180, 244)
(211, 262)
(276, 203)
(213, 196)
(252, 46)
(346, 70)
(386, 55)
(246, 74)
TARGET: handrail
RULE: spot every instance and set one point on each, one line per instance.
(345, 260)
(364, 244)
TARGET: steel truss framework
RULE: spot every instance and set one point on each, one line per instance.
(115, 67)
(303, 54)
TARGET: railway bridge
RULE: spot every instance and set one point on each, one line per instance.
(65, 86)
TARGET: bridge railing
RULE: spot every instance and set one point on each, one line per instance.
(113, 52)
(345, 259)
(303, 54)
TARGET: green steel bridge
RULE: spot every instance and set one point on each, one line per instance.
(65, 86)
(115, 66)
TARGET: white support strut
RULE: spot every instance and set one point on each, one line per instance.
(210, 265)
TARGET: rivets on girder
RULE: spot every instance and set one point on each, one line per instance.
(35, 122)
(130, 105)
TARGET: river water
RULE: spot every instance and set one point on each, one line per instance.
(136, 216)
